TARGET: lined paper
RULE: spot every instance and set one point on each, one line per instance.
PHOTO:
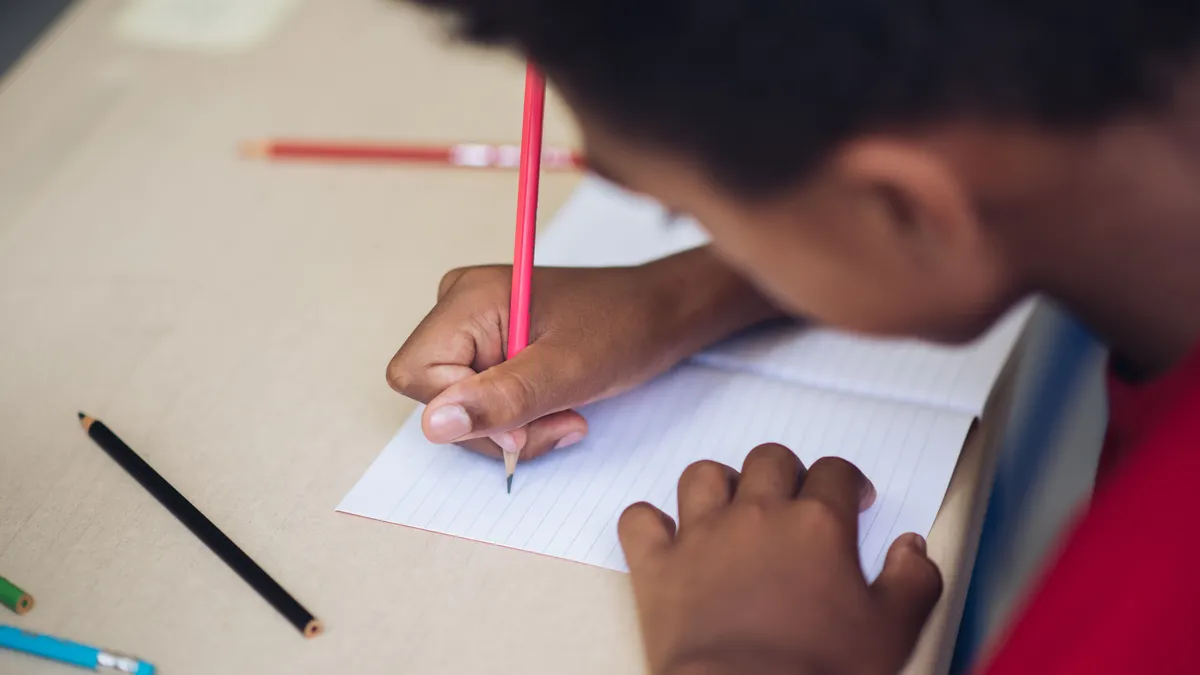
(603, 225)
(958, 378)
(566, 504)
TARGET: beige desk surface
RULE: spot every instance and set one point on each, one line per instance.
(232, 320)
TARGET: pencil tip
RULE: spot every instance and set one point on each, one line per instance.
(510, 483)
(81, 416)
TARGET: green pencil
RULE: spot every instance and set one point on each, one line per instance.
(14, 598)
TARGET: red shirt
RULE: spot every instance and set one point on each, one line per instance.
(1124, 595)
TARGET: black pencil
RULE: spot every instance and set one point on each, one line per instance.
(202, 527)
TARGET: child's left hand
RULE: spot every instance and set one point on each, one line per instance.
(763, 574)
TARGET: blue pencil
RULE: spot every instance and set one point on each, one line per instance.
(73, 653)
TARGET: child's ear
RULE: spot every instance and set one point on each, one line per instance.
(913, 192)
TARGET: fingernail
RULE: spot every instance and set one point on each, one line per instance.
(917, 542)
(569, 440)
(448, 423)
(867, 498)
(507, 442)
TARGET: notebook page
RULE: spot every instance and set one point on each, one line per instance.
(566, 504)
(605, 225)
(956, 378)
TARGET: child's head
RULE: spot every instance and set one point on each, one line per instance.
(887, 166)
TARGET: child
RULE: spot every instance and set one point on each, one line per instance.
(895, 168)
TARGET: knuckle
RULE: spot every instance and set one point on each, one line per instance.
(701, 474)
(819, 518)
(449, 279)
(399, 376)
(488, 276)
(485, 327)
(752, 516)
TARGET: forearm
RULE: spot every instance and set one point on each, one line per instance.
(705, 300)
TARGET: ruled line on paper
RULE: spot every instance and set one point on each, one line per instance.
(566, 504)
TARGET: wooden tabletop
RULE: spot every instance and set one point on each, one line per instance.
(232, 319)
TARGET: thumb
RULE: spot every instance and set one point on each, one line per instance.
(538, 381)
(908, 587)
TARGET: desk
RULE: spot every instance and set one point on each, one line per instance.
(232, 321)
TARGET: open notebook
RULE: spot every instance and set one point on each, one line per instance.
(900, 410)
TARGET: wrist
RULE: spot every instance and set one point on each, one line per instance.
(704, 300)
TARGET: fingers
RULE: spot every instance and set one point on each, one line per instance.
(771, 472)
(554, 432)
(454, 362)
(422, 370)
(459, 337)
(840, 486)
(484, 446)
(542, 379)
(643, 531)
(704, 488)
(465, 405)
(909, 585)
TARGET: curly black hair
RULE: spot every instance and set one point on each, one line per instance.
(759, 91)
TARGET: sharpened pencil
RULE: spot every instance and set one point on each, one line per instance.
(202, 527)
(527, 200)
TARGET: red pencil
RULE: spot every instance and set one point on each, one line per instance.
(527, 199)
(467, 155)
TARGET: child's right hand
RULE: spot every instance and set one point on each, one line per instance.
(594, 333)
